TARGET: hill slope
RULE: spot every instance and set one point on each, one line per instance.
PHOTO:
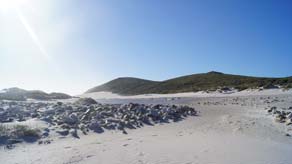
(125, 85)
(191, 83)
(22, 95)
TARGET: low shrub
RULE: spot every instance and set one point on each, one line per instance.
(18, 131)
(24, 131)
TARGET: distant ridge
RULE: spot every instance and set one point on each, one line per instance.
(21, 95)
(191, 83)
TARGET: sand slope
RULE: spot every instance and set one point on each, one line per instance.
(109, 95)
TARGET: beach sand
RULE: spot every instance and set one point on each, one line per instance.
(229, 129)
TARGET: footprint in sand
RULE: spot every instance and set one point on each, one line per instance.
(89, 156)
(125, 145)
(141, 154)
(141, 162)
(180, 133)
(75, 159)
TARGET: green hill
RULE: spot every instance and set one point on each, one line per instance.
(191, 83)
(126, 85)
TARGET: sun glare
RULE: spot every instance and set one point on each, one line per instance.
(15, 7)
(11, 4)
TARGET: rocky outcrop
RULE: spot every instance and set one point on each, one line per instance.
(87, 115)
(280, 115)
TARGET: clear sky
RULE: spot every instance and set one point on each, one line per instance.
(73, 45)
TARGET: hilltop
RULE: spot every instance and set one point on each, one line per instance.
(191, 83)
(21, 95)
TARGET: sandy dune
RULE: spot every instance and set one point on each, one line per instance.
(254, 92)
(229, 130)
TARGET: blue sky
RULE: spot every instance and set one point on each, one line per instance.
(72, 45)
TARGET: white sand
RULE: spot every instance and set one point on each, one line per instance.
(227, 131)
(109, 95)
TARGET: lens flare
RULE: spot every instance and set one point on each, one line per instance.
(32, 34)
(14, 6)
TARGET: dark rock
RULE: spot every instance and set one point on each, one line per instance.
(14, 141)
(34, 115)
(63, 132)
(71, 119)
(270, 110)
(46, 142)
(95, 126)
(270, 86)
(73, 132)
(280, 118)
(7, 120)
(45, 134)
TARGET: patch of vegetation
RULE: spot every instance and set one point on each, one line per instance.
(191, 83)
(126, 86)
(4, 131)
(18, 133)
(288, 86)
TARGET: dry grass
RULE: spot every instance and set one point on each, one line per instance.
(18, 131)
